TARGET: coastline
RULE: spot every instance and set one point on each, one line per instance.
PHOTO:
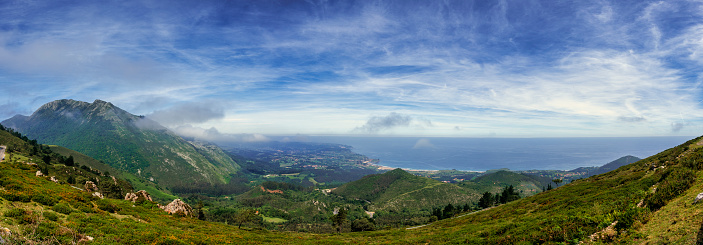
(382, 167)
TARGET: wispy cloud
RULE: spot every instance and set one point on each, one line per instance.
(188, 114)
(570, 68)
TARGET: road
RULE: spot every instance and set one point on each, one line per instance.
(2, 152)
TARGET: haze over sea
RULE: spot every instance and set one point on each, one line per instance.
(480, 154)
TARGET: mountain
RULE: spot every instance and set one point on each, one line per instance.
(590, 171)
(127, 142)
(398, 189)
(494, 182)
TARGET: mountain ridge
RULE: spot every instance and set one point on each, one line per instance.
(125, 141)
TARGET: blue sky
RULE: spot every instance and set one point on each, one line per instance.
(421, 68)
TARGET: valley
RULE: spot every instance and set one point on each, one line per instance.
(313, 190)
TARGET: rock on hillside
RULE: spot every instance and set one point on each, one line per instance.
(124, 141)
(138, 196)
(178, 207)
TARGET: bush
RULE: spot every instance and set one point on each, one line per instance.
(44, 200)
(362, 225)
(50, 216)
(630, 216)
(107, 206)
(46, 229)
(15, 212)
(676, 181)
(14, 196)
(62, 208)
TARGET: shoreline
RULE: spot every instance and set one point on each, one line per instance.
(382, 167)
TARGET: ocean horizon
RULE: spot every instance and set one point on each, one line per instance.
(481, 154)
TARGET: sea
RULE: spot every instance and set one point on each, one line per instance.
(481, 154)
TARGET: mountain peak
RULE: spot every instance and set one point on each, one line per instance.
(124, 141)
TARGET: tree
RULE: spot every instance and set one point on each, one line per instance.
(448, 211)
(557, 181)
(246, 216)
(69, 161)
(549, 187)
(486, 200)
(46, 159)
(362, 225)
(201, 214)
(339, 219)
(509, 194)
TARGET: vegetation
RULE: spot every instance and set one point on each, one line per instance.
(649, 201)
(126, 142)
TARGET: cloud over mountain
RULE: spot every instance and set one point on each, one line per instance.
(187, 114)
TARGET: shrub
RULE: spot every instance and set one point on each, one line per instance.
(15, 212)
(627, 219)
(44, 200)
(15, 196)
(107, 206)
(46, 229)
(675, 182)
(50, 216)
(62, 208)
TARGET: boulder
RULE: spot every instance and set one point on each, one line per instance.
(138, 196)
(39, 173)
(699, 197)
(178, 207)
(53, 178)
(90, 186)
(98, 194)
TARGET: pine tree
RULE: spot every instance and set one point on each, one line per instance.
(486, 200)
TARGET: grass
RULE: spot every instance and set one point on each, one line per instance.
(273, 219)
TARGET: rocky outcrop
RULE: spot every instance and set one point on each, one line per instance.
(179, 208)
(698, 198)
(98, 194)
(90, 186)
(53, 178)
(39, 174)
(138, 196)
(607, 234)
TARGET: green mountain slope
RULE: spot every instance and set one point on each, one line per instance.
(158, 193)
(397, 189)
(124, 141)
(527, 185)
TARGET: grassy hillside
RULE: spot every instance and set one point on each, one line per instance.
(397, 189)
(526, 185)
(156, 192)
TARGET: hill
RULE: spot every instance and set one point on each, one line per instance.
(614, 165)
(494, 182)
(124, 141)
(398, 189)
(647, 202)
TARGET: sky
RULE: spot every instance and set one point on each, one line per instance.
(391, 68)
